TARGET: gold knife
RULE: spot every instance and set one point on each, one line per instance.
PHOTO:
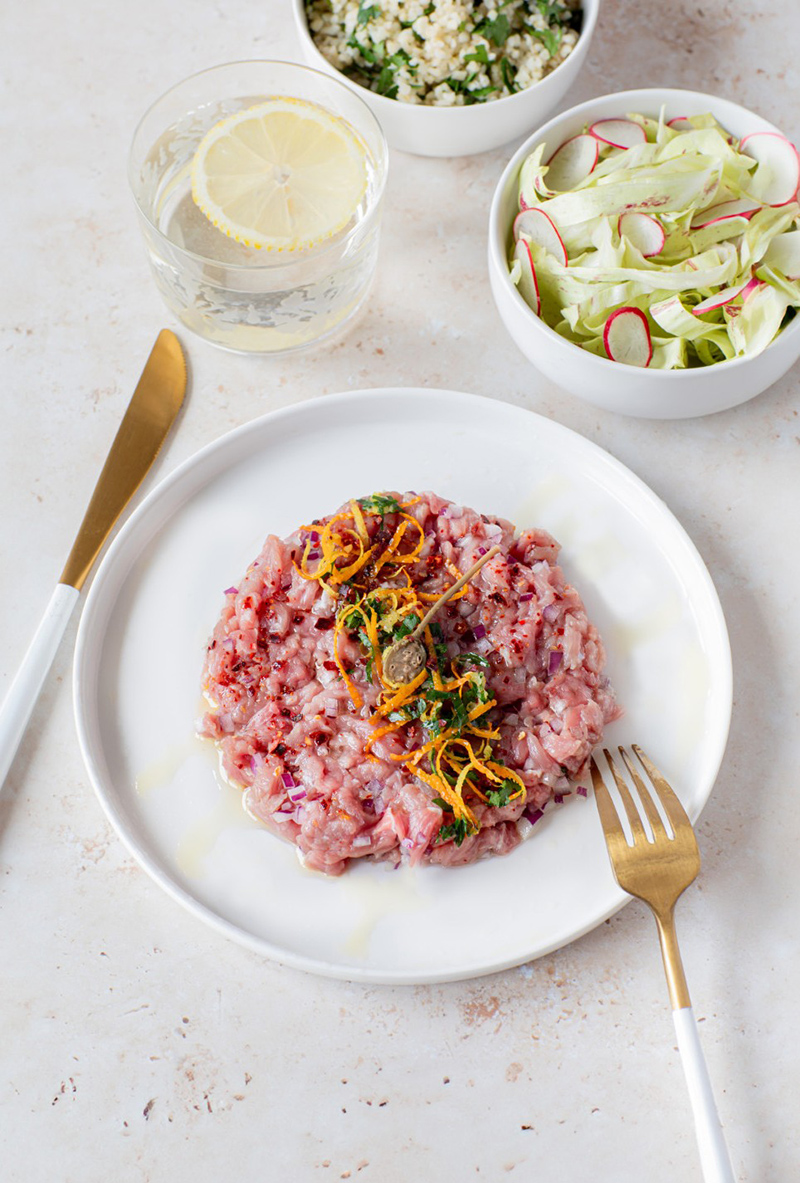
(151, 412)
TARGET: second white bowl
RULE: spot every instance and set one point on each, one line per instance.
(461, 131)
(630, 390)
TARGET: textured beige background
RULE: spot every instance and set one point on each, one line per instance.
(137, 1044)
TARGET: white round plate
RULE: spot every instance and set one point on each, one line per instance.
(157, 596)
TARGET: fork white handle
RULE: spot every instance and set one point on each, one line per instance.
(714, 1157)
(25, 689)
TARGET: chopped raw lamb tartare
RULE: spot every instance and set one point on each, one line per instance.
(447, 768)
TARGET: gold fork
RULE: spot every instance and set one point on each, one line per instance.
(657, 869)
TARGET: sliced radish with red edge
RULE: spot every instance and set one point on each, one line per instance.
(619, 133)
(727, 296)
(536, 225)
(742, 207)
(571, 163)
(643, 232)
(626, 337)
(528, 287)
(719, 299)
(750, 287)
(680, 123)
(776, 180)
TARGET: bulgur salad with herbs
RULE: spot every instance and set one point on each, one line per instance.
(444, 53)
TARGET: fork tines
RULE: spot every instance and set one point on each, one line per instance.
(671, 805)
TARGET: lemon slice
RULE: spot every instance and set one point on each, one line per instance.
(280, 176)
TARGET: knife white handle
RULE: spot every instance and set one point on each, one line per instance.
(26, 687)
(714, 1158)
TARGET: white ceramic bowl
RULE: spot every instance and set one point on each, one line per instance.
(462, 131)
(629, 390)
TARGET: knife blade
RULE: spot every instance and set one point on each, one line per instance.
(151, 412)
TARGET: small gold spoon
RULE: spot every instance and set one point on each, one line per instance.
(406, 658)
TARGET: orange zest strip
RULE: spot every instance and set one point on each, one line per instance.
(508, 774)
(342, 574)
(378, 733)
(361, 525)
(388, 554)
(437, 677)
(402, 695)
(371, 628)
(443, 790)
(485, 732)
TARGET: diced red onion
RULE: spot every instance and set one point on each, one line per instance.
(533, 815)
(550, 613)
(313, 554)
(288, 780)
(332, 708)
(556, 657)
(314, 536)
(231, 591)
(482, 550)
(558, 798)
(581, 791)
(483, 646)
(478, 632)
(297, 794)
(525, 597)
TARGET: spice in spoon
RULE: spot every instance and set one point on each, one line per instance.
(405, 659)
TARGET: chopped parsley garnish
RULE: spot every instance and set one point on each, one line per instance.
(496, 30)
(372, 54)
(471, 659)
(456, 831)
(367, 12)
(502, 795)
(481, 55)
(406, 626)
(379, 503)
(550, 39)
(509, 73)
(554, 13)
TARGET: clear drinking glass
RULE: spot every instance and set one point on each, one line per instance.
(235, 296)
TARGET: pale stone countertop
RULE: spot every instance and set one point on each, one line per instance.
(137, 1043)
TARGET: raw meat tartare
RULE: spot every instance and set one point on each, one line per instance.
(447, 768)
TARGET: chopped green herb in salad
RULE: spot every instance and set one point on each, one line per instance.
(667, 244)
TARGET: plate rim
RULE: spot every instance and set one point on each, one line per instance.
(87, 636)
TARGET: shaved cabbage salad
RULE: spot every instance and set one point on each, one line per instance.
(661, 244)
